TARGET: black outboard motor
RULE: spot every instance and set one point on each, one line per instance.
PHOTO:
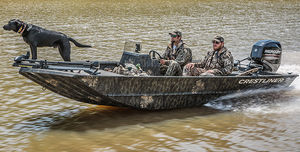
(267, 53)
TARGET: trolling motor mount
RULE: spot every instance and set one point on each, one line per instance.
(90, 67)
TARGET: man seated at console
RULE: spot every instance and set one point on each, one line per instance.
(176, 56)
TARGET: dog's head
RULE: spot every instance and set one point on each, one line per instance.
(14, 25)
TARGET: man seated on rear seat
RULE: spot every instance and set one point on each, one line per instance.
(219, 61)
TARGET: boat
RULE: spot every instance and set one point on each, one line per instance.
(90, 82)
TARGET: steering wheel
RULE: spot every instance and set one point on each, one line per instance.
(153, 54)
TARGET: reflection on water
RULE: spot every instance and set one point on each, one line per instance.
(117, 117)
(34, 119)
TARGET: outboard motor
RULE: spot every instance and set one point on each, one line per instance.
(267, 53)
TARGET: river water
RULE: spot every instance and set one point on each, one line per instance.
(33, 119)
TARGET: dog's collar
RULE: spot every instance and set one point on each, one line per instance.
(22, 29)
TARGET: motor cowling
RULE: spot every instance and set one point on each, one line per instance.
(268, 54)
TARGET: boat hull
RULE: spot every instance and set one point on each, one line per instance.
(151, 93)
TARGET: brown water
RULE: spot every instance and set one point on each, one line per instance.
(33, 119)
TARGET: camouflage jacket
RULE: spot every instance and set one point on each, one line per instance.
(181, 54)
(221, 63)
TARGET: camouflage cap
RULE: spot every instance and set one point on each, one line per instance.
(218, 38)
(176, 33)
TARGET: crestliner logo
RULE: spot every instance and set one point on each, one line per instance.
(255, 81)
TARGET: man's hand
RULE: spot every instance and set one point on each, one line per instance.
(162, 61)
(190, 66)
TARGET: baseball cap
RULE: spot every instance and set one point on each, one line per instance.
(218, 38)
(176, 33)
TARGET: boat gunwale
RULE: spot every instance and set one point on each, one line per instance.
(73, 74)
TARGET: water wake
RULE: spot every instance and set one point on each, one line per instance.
(277, 108)
(274, 100)
(291, 68)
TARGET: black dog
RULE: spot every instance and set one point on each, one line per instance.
(38, 37)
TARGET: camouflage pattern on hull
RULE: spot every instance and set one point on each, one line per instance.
(152, 92)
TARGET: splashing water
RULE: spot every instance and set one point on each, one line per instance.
(295, 69)
(274, 100)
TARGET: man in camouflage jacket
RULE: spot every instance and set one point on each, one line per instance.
(176, 56)
(217, 62)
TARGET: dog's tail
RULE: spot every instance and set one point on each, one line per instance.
(77, 43)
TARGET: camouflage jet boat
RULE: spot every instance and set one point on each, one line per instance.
(88, 81)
